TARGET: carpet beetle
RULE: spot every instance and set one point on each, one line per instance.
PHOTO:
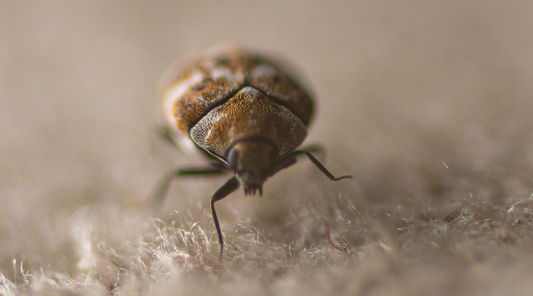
(244, 110)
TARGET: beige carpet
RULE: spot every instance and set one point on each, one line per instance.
(428, 104)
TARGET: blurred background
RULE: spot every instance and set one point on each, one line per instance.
(423, 102)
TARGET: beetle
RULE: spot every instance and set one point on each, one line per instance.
(242, 109)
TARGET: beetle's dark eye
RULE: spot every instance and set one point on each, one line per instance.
(233, 159)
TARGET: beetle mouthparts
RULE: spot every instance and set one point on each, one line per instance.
(253, 161)
(252, 189)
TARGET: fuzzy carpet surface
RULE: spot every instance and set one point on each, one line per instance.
(428, 104)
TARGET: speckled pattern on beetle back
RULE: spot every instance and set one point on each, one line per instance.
(230, 94)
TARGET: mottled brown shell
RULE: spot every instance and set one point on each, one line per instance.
(207, 81)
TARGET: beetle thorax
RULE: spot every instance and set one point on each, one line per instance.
(253, 161)
(248, 114)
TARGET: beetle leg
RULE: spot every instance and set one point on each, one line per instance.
(291, 159)
(231, 185)
(169, 135)
(313, 148)
(323, 169)
(159, 195)
(319, 149)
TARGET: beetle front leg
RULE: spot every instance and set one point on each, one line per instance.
(292, 157)
(160, 193)
(323, 169)
(230, 186)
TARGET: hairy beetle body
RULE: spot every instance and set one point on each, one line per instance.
(231, 94)
(242, 108)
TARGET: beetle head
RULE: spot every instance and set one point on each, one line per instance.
(253, 160)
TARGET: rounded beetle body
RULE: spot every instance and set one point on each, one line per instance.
(243, 108)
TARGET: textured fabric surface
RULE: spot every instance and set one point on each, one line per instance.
(426, 103)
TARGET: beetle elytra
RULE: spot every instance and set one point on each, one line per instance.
(244, 110)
